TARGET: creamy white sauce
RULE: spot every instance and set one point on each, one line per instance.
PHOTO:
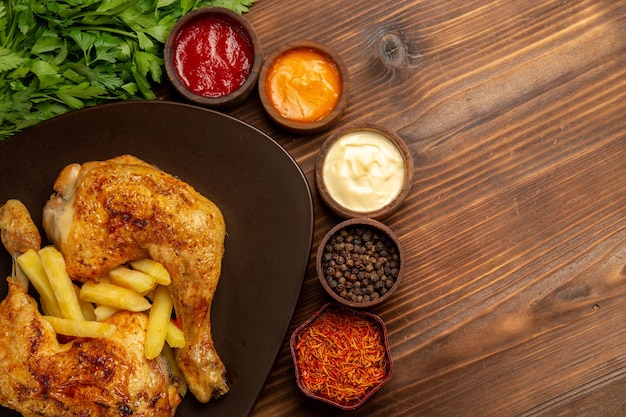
(363, 171)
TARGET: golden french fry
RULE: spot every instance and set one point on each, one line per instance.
(62, 286)
(150, 295)
(32, 267)
(175, 336)
(133, 280)
(113, 296)
(45, 309)
(80, 328)
(87, 308)
(104, 312)
(89, 311)
(17, 272)
(154, 269)
(158, 320)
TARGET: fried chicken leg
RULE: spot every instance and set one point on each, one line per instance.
(106, 213)
(85, 377)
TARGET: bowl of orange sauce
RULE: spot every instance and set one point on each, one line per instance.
(304, 86)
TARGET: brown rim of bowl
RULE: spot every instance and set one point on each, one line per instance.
(306, 127)
(371, 223)
(384, 211)
(237, 96)
(352, 405)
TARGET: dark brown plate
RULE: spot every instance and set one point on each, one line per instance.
(261, 191)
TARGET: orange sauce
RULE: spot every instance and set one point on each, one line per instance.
(303, 85)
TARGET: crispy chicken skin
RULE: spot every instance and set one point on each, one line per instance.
(85, 377)
(105, 213)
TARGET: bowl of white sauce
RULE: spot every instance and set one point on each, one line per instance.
(364, 171)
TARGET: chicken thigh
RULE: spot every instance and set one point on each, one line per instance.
(106, 213)
(85, 377)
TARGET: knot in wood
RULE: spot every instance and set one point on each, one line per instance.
(392, 50)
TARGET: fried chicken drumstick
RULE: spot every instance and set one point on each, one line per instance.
(106, 213)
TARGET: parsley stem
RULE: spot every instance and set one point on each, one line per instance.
(10, 34)
(105, 29)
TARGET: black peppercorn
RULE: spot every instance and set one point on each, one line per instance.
(360, 264)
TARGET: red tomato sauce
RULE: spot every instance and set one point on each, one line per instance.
(213, 56)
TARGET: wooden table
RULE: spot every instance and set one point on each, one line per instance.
(514, 299)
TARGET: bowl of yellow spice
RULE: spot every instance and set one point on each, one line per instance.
(304, 86)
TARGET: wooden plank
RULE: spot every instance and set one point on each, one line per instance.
(513, 302)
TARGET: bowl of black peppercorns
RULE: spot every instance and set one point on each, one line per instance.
(360, 262)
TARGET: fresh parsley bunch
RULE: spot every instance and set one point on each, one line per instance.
(61, 55)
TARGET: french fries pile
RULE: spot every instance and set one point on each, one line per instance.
(79, 311)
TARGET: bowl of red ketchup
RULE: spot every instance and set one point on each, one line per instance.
(213, 57)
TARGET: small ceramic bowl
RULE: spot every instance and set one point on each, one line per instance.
(360, 263)
(370, 332)
(364, 171)
(299, 97)
(194, 61)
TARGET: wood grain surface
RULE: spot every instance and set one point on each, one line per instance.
(514, 299)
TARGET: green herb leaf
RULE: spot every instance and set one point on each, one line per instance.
(9, 60)
(60, 55)
(238, 6)
(47, 41)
